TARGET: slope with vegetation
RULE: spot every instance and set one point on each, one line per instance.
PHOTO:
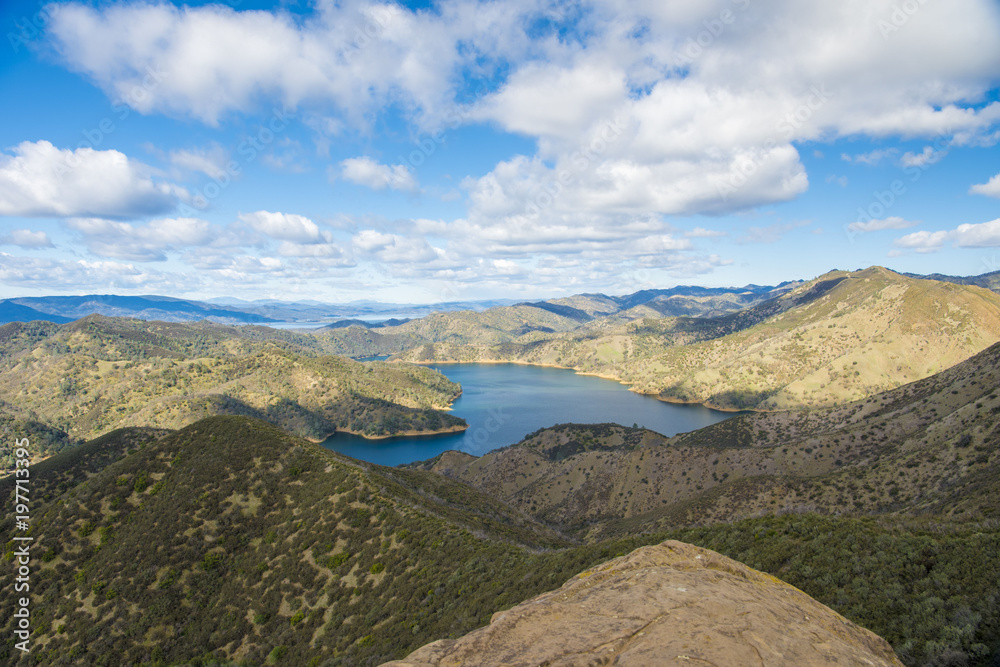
(230, 540)
(841, 337)
(97, 374)
(529, 323)
(932, 445)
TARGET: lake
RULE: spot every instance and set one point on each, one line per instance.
(504, 402)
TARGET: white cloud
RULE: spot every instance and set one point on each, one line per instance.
(872, 158)
(628, 125)
(80, 275)
(211, 161)
(141, 243)
(892, 222)
(719, 138)
(393, 248)
(210, 61)
(981, 235)
(366, 171)
(39, 179)
(925, 158)
(922, 241)
(284, 226)
(702, 233)
(552, 101)
(25, 238)
(991, 188)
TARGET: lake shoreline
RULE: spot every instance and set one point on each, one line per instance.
(458, 428)
(660, 397)
(503, 402)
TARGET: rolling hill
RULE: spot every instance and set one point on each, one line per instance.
(97, 374)
(929, 446)
(232, 541)
(835, 339)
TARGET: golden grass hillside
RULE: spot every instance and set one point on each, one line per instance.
(97, 374)
(838, 338)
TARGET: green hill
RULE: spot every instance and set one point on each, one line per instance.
(230, 541)
(97, 374)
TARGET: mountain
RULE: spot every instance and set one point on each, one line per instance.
(15, 312)
(669, 604)
(840, 337)
(163, 308)
(232, 541)
(930, 446)
(97, 374)
(529, 323)
(990, 281)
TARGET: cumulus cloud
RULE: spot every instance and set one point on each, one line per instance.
(356, 55)
(922, 241)
(925, 158)
(52, 274)
(370, 173)
(981, 235)
(892, 222)
(38, 179)
(393, 248)
(141, 243)
(284, 226)
(871, 158)
(991, 188)
(702, 233)
(633, 117)
(25, 238)
(707, 125)
(211, 161)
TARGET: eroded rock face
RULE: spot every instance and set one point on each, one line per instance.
(669, 604)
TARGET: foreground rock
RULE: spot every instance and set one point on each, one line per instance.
(663, 605)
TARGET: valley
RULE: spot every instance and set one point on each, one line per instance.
(875, 491)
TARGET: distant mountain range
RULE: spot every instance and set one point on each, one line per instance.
(680, 301)
(234, 539)
(62, 309)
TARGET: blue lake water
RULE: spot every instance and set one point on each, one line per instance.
(504, 402)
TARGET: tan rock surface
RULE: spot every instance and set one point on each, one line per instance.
(670, 604)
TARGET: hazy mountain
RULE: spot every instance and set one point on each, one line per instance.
(990, 281)
(16, 312)
(164, 308)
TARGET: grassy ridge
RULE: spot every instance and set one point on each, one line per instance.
(232, 541)
(838, 338)
(97, 374)
(930, 446)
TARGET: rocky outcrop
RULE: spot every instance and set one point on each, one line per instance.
(670, 604)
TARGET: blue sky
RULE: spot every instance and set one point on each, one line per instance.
(435, 151)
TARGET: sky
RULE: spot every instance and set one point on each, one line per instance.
(461, 149)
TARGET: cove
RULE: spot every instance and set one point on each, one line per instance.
(505, 402)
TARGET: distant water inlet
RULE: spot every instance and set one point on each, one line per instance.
(504, 402)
